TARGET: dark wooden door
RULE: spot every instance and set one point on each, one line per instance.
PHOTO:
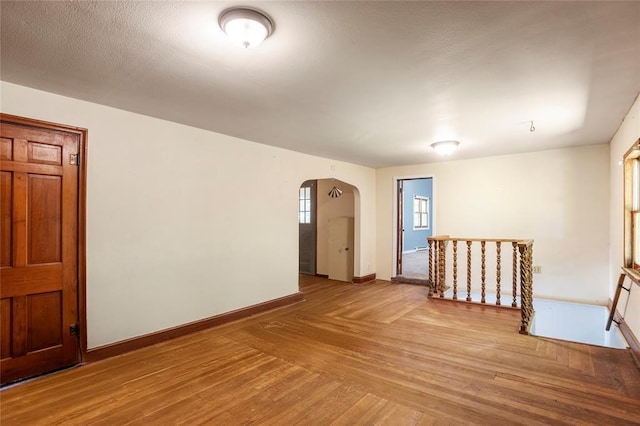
(307, 228)
(400, 228)
(39, 251)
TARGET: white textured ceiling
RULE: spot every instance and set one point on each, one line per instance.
(373, 83)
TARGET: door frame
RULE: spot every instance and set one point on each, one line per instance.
(399, 225)
(81, 134)
(396, 215)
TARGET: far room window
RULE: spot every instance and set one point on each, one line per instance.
(635, 212)
(420, 212)
(304, 209)
(632, 206)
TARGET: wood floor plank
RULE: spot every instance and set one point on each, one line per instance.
(378, 353)
(363, 411)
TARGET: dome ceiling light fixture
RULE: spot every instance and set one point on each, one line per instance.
(445, 147)
(246, 27)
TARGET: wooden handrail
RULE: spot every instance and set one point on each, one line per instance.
(632, 274)
(634, 277)
(525, 242)
(488, 240)
(521, 251)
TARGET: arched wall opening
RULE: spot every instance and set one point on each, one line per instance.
(330, 207)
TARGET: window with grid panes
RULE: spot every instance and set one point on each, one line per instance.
(420, 212)
(304, 208)
(632, 206)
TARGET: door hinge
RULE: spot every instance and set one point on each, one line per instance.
(74, 329)
(74, 159)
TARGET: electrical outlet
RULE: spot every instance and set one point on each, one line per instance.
(537, 269)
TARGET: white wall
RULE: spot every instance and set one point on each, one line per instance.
(627, 134)
(183, 223)
(559, 198)
(329, 208)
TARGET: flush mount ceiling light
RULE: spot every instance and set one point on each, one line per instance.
(245, 27)
(445, 147)
(335, 192)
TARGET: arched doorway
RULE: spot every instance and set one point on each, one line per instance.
(326, 216)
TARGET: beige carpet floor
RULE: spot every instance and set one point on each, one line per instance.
(416, 264)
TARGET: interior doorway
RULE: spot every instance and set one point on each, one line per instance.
(326, 216)
(414, 225)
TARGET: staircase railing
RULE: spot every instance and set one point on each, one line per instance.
(471, 254)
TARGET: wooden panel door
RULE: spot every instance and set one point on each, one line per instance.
(39, 251)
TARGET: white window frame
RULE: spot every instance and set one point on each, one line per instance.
(635, 212)
(632, 207)
(304, 205)
(419, 212)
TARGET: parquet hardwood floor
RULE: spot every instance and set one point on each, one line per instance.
(377, 353)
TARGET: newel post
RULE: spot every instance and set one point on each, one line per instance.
(526, 285)
(515, 274)
(432, 265)
(455, 269)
